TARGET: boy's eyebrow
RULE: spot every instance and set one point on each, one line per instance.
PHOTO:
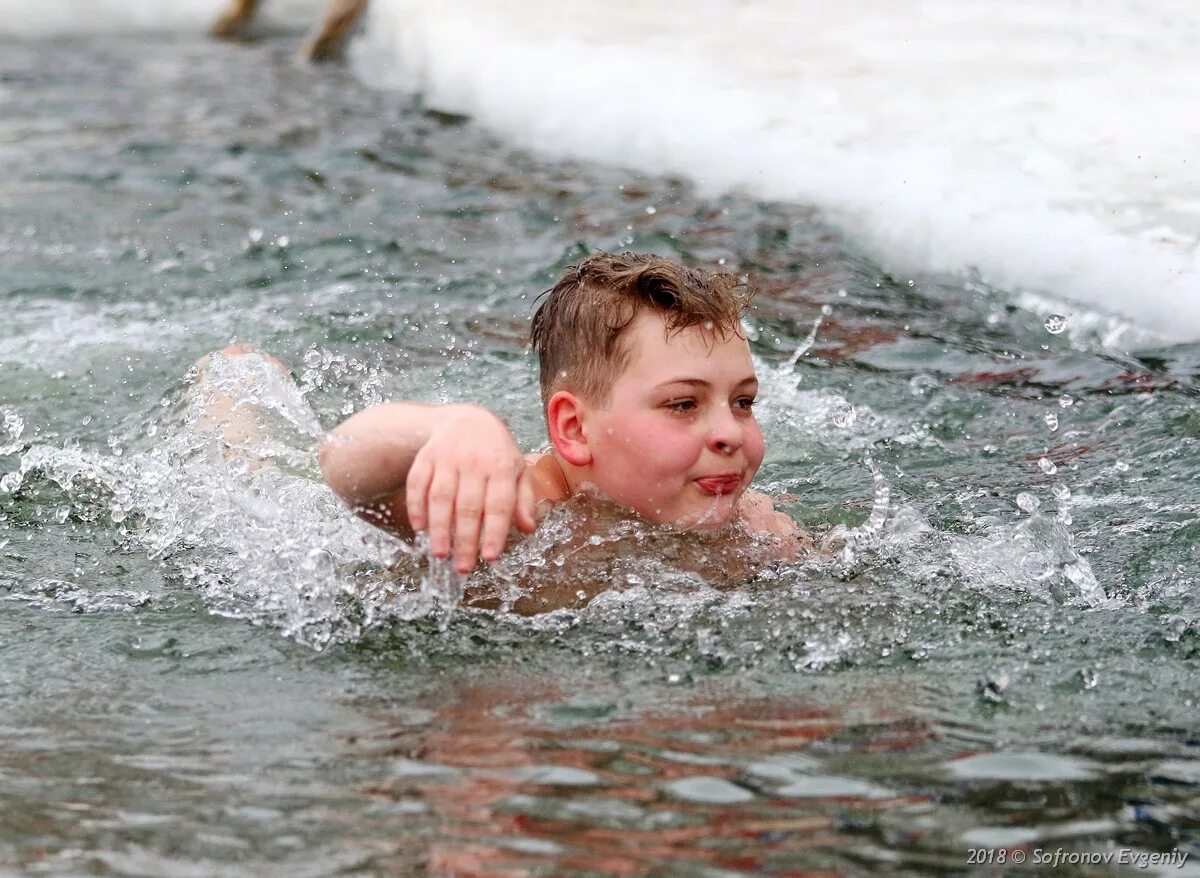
(700, 382)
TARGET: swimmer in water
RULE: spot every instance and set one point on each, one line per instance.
(648, 391)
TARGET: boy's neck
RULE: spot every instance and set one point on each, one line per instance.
(550, 477)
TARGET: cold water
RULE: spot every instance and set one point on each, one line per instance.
(207, 667)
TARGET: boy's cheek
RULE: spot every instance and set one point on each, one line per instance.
(648, 436)
(754, 449)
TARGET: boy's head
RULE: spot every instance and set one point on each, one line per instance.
(648, 385)
(581, 330)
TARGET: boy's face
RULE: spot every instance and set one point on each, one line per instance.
(678, 442)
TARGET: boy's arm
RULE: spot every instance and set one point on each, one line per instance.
(453, 470)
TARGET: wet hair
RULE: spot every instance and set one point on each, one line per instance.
(579, 330)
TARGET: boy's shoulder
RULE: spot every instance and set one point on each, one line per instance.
(760, 517)
(546, 477)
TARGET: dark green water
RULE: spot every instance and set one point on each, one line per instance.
(185, 688)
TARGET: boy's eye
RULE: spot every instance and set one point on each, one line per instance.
(681, 405)
(746, 402)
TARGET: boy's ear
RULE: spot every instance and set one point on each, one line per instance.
(564, 418)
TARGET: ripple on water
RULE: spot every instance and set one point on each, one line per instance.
(1023, 767)
(702, 790)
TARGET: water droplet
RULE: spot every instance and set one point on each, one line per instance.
(10, 483)
(1066, 401)
(312, 358)
(993, 686)
(1026, 502)
(826, 310)
(708, 325)
(651, 210)
(1078, 572)
(1037, 566)
(1055, 324)
(844, 415)
(13, 424)
(1047, 466)
(62, 514)
(1051, 421)
(282, 242)
(1121, 466)
(255, 235)
(1089, 677)
(912, 283)
(918, 385)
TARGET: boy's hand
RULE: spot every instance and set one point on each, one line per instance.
(469, 482)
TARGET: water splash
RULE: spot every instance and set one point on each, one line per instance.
(1036, 556)
(867, 535)
(14, 426)
(1056, 324)
(805, 346)
(249, 526)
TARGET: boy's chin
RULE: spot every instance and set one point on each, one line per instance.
(717, 514)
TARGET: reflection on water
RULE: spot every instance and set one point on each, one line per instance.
(528, 779)
(732, 787)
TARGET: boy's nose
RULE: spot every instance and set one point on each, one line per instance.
(726, 435)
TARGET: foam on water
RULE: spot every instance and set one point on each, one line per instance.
(1046, 145)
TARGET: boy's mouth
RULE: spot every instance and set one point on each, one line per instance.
(725, 483)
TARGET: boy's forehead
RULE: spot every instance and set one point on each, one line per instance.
(652, 344)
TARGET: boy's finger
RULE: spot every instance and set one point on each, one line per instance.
(415, 490)
(441, 507)
(468, 516)
(526, 505)
(497, 516)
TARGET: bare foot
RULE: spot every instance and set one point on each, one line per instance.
(235, 423)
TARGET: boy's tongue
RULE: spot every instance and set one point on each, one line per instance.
(722, 484)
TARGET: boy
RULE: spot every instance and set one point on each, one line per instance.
(647, 387)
